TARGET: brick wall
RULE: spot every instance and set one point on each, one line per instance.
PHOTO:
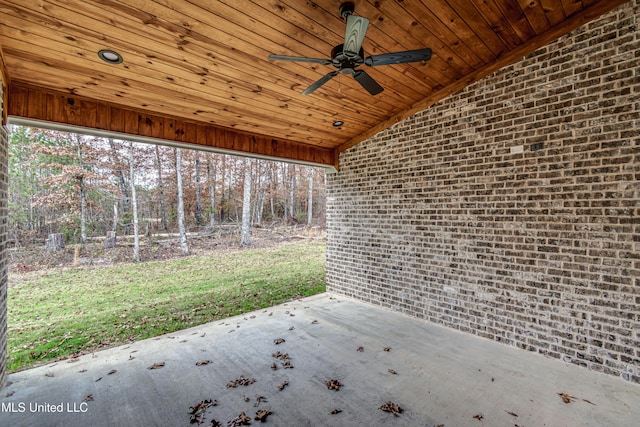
(3, 246)
(443, 218)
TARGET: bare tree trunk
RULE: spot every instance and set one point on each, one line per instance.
(212, 190)
(121, 181)
(198, 192)
(246, 206)
(134, 205)
(163, 212)
(292, 192)
(181, 227)
(310, 198)
(83, 194)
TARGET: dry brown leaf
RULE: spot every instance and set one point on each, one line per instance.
(199, 410)
(156, 365)
(387, 349)
(240, 420)
(391, 371)
(88, 398)
(262, 415)
(566, 398)
(278, 341)
(478, 417)
(360, 349)
(392, 408)
(283, 384)
(336, 411)
(111, 372)
(511, 413)
(259, 400)
(240, 381)
(287, 365)
(203, 362)
(333, 385)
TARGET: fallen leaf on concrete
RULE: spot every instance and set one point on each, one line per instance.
(215, 423)
(203, 362)
(111, 372)
(240, 420)
(82, 371)
(336, 411)
(360, 349)
(259, 399)
(333, 385)
(198, 411)
(156, 365)
(274, 366)
(566, 398)
(478, 417)
(98, 379)
(88, 398)
(314, 322)
(392, 408)
(278, 341)
(511, 413)
(283, 384)
(11, 393)
(240, 381)
(391, 371)
(387, 349)
(292, 328)
(131, 357)
(245, 398)
(287, 365)
(262, 415)
(590, 403)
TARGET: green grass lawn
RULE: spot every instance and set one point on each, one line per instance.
(72, 311)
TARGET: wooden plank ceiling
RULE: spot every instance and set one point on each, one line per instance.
(197, 71)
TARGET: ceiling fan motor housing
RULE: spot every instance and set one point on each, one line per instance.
(346, 61)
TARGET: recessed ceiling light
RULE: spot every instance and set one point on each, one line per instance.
(338, 123)
(109, 56)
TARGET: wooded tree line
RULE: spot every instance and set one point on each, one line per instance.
(81, 186)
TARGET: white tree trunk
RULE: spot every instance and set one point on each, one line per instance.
(181, 227)
(246, 206)
(198, 191)
(134, 205)
(212, 190)
(310, 198)
(83, 195)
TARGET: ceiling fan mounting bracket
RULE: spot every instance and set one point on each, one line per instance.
(346, 9)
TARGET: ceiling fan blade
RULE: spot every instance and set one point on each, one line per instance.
(417, 55)
(274, 57)
(320, 82)
(354, 34)
(367, 82)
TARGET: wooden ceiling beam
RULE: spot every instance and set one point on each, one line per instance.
(34, 104)
(4, 80)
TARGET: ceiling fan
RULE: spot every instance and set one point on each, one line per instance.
(348, 56)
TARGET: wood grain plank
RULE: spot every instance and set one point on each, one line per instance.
(571, 6)
(535, 15)
(516, 18)
(554, 11)
(498, 22)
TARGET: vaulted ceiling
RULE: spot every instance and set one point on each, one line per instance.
(198, 72)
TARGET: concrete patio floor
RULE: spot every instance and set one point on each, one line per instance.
(441, 377)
